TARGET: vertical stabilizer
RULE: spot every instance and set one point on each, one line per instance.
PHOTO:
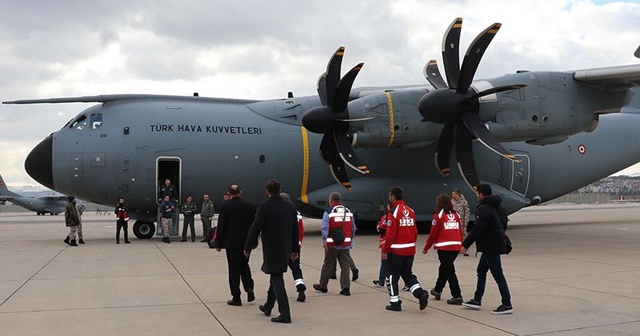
(4, 191)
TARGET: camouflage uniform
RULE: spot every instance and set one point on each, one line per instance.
(461, 206)
(71, 221)
(206, 214)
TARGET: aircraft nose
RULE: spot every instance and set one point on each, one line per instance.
(39, 163)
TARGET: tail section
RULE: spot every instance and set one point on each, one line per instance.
(4, 191)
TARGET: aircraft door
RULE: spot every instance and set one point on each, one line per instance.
(169, 168)
(519, 174)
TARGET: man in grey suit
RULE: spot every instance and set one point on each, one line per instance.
(277, 220)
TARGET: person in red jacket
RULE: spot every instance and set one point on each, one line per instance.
(294, 265)
(446, 237)
(399, 249)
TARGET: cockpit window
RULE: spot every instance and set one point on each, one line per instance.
(80, 123)
(96, 121)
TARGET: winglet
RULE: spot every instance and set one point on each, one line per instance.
(637, 53)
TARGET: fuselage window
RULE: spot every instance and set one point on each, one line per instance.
(96, 121)
(80, 123)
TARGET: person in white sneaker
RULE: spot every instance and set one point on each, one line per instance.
(489, 235)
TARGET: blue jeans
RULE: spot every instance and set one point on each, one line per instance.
(491, 262)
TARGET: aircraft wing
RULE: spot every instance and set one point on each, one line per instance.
(6, 198)
(616, 78)
(54, 198)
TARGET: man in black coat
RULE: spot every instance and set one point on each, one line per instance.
(489, 235)
(277, 220)
(234, 222)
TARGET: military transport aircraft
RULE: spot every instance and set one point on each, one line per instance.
(532, 135)
(41, 205)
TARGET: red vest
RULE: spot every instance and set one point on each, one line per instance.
(340, 217)
(446, 232)
(402, 232)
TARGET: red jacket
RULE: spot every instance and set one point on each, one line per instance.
(446, 232)
(402, 232)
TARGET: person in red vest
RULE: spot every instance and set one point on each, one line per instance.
(122, 220)
(338, 228)
(446, 237)
(399, 250)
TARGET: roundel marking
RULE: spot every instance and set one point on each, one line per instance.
(582, 149)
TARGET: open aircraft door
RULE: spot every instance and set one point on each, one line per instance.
(169, 167)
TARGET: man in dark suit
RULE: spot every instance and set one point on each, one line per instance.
(277, 220)
(234, 222)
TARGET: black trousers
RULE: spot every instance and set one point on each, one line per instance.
(122, 224)
(188, 221)
(278, 293)
(447, 273)
(296, 271)
(239, 269)
(400, 266)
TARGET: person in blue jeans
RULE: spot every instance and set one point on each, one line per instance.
(489, 235)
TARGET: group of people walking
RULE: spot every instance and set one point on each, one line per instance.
(281, 229)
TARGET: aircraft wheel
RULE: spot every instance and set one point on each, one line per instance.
(144, 230)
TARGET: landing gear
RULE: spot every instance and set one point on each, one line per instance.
(144, 229)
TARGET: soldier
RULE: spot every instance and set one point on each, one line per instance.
(80, 210)
(167, 208)
(206, 215)
(71, 220)
(189, 210)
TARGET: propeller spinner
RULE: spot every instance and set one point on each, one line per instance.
(455, 104)
(332, 120)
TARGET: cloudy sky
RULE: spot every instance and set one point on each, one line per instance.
(262, 49)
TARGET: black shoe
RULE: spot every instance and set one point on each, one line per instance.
(345, 292)
(203, 241)
(117, 242)
(166, 240)
(81, 241)
(355, 272)
(281, 319)
(193, 240)
(127, 242)
(394, 307)
(319, 288)
(232, 302)
(424, 300)
(183, 240)
(455, 301)
(251, 296)
(437, 295)
(73, 243)
(66, 240)
(301, 297)
(378, 283)
(265, 310)
(406, 288)
(472, 304)
(333, 276)
(502, 310)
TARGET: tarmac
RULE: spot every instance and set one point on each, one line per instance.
(574, 270)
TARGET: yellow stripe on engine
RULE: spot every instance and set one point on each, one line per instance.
(391, 122)
(305, 165)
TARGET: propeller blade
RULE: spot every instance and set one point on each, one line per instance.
(473, 57)
(432, 74)
(493, 90)
(333, 74)
(347, 153)
(444, 148)
(322, 89)
(344, 89)
(475, 125)
(450, 53)
(329, 153)
(464, 156)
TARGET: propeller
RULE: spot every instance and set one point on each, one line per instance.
(455, 104)
(332, 120)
